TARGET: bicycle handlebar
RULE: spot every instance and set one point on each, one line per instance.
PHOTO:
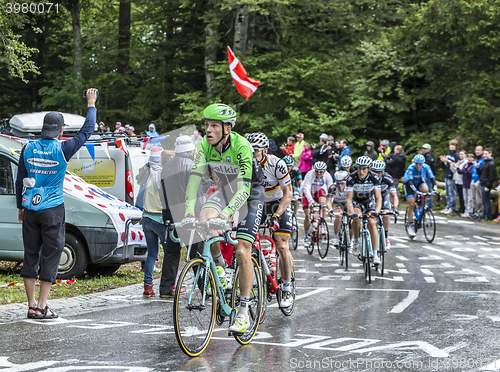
(200, 225)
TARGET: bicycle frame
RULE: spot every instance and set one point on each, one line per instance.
(271, 279)
(225, 309)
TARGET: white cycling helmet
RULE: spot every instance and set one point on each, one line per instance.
(378, 166)
(341, 175)
(320, 165)
(258, 140)
(346, 161)
(364, 161)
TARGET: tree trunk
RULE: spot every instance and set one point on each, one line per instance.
(74, 8)
(241, 30)
(251, 33)
(124, 37)
(211, 39)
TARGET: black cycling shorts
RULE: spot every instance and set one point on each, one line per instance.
(369, 204)
(250, 214)
(285, 219)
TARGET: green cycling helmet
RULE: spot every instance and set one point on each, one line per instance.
(219, 111)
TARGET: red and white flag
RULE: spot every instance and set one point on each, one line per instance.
(121, 145)
(245, 86)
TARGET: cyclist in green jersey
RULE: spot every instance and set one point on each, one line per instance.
(240, 189)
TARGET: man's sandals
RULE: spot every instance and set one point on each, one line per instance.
(45, 314)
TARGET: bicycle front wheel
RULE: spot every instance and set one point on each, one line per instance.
(255, 305)
(294, 236)
(193, 321)
(287, 311)
(345, 243)
(366, 259)
(381, 251)
(323, 238)
(429, 224)
(310, 247)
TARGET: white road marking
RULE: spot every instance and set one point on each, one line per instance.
(402, 258)
(430, 279)
(462, 272)
(431, 257)
(479, 237)
(445, 252)
(393, 279)
(400, 271)
(335, 277)
(495, 292)
(463, 249)
(319, 290)
(412, 296)
(400, 265)
(477, 279)
(399, 245)
(422, 345)
(438, 266)
(492, 269)
(426, 272)
(306, 271)
(492, 255)
(461, 222)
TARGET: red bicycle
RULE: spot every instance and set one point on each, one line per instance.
(271, 272)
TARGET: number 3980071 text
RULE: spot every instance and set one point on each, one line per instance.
(33, 8)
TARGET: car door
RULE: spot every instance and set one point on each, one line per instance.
(11, 237)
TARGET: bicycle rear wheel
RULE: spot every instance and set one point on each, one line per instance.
(366, 259)
(287, 311)
(310, 248)
(294, 236)
(323, 238)
(193, 322)
(429, 224)
(255, 305)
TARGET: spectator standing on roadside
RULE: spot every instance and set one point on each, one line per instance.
(451, 189)
(384, 149)
(152, 220)
(396, 165)
(331, 164)
(475, 186)
(196, 137)
(466, 172)
(370, 150)
(306, 160)
(323, 151)
(299, 147)
(175, 178)
(346, 150)
(152, 131)
(40, 200)
(487, 177)
(458, 178)
(290, 145)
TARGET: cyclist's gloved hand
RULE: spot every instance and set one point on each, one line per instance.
(354, 215)
(188, 222)
(218, 223)
(374, 214)
(330, 212)
(274, 223)
(435, 188)
(396, 211)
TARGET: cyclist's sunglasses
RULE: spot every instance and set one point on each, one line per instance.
(319, 171)
(341, 183)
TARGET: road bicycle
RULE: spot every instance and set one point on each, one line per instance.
(423, 217)
(365, 250)
(200, 301)
(382, 248)
(294, 236)
(344, 238)
(318, 231)
(272, 279)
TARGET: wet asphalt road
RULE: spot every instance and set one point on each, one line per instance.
(435, 309)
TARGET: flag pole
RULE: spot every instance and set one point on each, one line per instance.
(275, 126)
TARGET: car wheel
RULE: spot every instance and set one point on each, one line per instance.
(73, 258)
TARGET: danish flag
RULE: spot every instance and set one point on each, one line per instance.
(244, 85)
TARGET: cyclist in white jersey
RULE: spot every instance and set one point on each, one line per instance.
(314, 189)
(278, 195)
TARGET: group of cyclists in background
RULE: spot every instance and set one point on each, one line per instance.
(265, 188)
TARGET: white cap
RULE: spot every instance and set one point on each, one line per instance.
(426, 146)
(184, 143)
(324, 136)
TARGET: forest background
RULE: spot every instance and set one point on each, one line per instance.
(410, 71)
